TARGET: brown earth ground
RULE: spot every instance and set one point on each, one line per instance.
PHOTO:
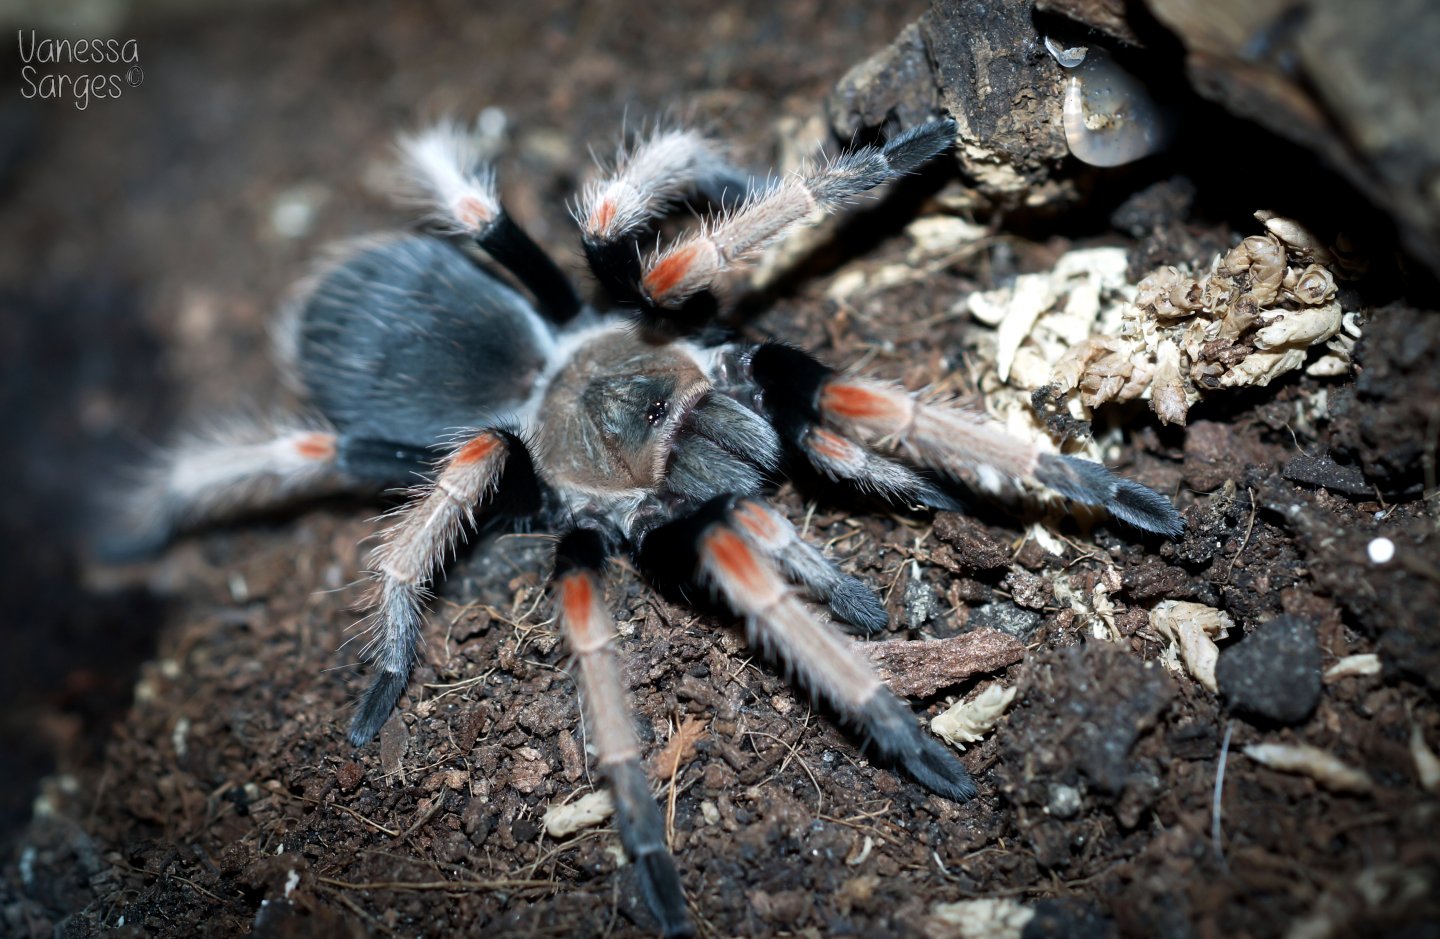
(173, 731)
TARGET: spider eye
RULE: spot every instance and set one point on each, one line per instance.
(657, 411)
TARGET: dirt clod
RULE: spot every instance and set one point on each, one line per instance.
(1274, 673)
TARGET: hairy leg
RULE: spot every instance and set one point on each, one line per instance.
(942, 437)
(415, 547)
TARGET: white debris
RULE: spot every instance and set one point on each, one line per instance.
(1381, 551)
(1367, 663)
(1193, 629)
(1427, 764)
(1041, 535)
(292, 880)
(859, 856)
(1093, 608)
(968, 721)
(1084, 280)
(1032, 295)
(27, 866)
(1087, 336)
(585, 812)
(978, 919)
(179, 737)
(940, 235)
(1305, 760)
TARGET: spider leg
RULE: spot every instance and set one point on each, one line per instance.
(945, 438)
(849, 598)
(414, 549)
(697, 262)
(444, 167)
(735, 544)
(648, 181)
(589, 631)
(236, 466)
(843, 459)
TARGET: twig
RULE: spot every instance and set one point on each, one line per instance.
(793, 750)
(425, 885)
(425, 816)
(1248, 529)
(334, 805)
(355, 908)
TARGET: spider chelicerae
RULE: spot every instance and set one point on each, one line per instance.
(634, 427)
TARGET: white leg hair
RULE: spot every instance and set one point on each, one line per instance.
(698, 261)
(421, 539)
(647, 181)
(235, 466)
(444, 172)
(842, 459)
(966, 444)
(771, 533)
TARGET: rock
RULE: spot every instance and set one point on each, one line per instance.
(1007, 618)
(1065, 802)
(1274, 673)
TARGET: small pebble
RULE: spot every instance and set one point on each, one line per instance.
(1064, 802)
(1006, 617)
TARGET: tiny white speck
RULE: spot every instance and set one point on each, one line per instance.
(178, 736)
(1381, 551)
(292, 880)
(27, 866)
(291, 219)
(492, 122)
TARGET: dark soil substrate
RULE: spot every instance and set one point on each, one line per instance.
(173, 731)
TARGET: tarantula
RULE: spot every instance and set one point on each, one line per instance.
(629, 428)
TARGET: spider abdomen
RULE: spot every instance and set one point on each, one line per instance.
(408, 340)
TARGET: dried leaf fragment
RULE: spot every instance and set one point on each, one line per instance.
(1304, 760)
(968, 721)
(1193, 628)
(678, 750)
(1367, 663)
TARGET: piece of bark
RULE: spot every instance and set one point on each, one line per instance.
(983, 64)
(1108, 16)
(917, 669)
